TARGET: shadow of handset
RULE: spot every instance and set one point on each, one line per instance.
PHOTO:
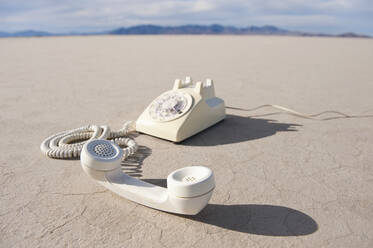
(235, 129)
(268, 220)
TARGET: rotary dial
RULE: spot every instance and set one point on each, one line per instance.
(170, 106)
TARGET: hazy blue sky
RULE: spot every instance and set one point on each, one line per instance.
(332, 16)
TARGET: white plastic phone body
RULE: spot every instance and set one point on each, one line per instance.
(183, 111)
(188, 189)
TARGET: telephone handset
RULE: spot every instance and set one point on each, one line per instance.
(183, 111)
(188, 189)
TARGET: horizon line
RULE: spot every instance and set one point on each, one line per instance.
(215, 29)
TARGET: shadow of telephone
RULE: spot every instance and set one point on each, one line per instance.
(236, 129)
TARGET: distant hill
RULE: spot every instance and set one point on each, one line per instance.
(198, 29)
(4, 34)
(26, 33)
(186, 29)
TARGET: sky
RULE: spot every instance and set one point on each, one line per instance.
(327, 16)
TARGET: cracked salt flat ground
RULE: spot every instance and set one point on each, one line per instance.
(281, 181)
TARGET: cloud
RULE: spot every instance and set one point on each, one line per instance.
(95, 15)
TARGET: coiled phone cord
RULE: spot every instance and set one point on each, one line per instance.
(68, 144)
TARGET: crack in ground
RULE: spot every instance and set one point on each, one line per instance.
(65, 223)
(72, 194)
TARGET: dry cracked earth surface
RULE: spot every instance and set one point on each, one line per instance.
(281, 181)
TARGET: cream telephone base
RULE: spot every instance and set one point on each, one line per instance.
(183, 111)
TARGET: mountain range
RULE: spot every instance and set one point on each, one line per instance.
(185, 29)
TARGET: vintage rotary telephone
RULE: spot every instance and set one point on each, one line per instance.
(183, 111)
(175, 115)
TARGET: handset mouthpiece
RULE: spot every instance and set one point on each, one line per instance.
(101, 155)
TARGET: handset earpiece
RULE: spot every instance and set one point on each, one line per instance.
(188, 189)
(190, 181)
